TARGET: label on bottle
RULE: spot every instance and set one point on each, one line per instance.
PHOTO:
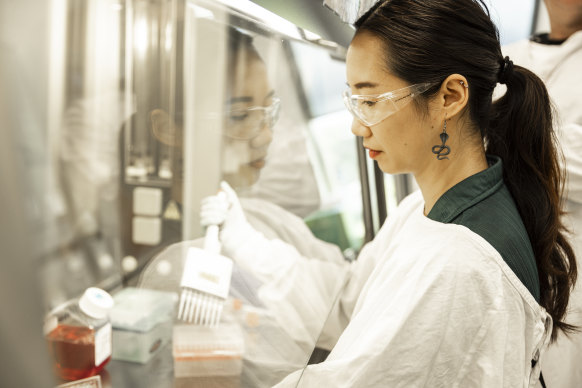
(89, 382)
(102, 344)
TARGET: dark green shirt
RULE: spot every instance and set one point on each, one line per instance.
(483, 204)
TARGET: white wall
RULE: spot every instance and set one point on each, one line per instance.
(543, 20)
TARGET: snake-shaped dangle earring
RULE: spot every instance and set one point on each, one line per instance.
(442, 150)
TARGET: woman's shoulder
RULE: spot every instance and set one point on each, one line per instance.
(463, 257)
(447, 252)
(414, 238)
(436, 260)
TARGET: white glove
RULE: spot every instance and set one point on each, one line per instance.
(226, 211)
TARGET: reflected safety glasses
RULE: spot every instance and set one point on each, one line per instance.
(247, 123)
(371, 109)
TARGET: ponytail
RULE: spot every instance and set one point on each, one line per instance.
(520, 132)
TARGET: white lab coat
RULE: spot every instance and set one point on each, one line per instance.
(426, 304)
(288, 179)
(560, 68)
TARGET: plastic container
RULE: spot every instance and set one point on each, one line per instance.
(79, 335)
(142, 323)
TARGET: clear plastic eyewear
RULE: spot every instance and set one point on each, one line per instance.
(247, 123)
(373, 108)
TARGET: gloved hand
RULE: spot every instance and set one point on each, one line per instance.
(226, 211)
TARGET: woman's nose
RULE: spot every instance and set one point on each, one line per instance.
(264, 137)
(359, 129)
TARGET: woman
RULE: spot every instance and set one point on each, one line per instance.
(465, 281)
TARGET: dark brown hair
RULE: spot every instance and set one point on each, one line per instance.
(428, 40)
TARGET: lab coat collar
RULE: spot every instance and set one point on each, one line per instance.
(469, 192)
(573, 40)
(570, 45)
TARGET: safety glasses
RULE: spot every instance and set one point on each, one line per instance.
(247, 123)
(373, 108)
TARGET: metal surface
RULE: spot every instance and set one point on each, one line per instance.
(402, 186)
(365, 183)
(380, 194)
(350, 10)
(251, 16)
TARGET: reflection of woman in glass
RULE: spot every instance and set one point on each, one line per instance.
(251, 111)
(249, 114)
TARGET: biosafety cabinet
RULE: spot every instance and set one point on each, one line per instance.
(149, 106)
(118, 118)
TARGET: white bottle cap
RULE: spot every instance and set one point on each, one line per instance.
(95, 302)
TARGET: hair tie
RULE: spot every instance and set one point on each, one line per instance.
(506, 70)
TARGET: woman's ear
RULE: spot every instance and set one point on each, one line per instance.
(454, 95)
(164, 128)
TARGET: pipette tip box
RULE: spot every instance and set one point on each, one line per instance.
(200, 351)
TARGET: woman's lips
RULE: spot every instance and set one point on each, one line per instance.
(258, 163)
(373, 153)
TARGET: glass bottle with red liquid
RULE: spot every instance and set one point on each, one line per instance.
(80, 335)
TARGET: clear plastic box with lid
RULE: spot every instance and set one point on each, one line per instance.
(142, 323)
